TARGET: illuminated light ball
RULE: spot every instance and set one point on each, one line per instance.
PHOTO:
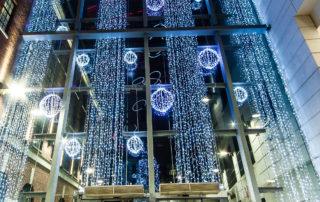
(83, 60)
(130, 57)
(62, 29)
(134, 145)
(131, 67)
(72, 147)
(50, 105)
(155, 5)
(161, 100)
(240, 94)
(196, 5)
(208, 58)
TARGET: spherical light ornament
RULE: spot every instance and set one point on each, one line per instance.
(83, 60)
(130, 57)
(50, 105)
(134, 145)
(196, 5)
(162, 100)
(72, 147)
(131, 67)
(208, 58)
(62, 29)
(155, 5)
(240, 94)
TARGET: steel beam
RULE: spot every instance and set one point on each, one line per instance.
(161, 133)
(149, 120)
(151, 32)
(241, 135)
(57, 153)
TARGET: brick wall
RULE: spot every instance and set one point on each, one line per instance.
(40, 181)
(8, 47)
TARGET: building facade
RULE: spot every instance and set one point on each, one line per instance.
(108, 93)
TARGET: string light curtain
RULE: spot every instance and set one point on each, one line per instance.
(194, 142)
(16, 122)
(283, 137)
(104, 145)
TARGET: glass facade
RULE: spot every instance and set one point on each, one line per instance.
(148, 92)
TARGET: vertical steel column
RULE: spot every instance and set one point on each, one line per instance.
(57, 153)
(145, 14)
(211, 12)
(149, 119)
(77, 25)
(241, 136)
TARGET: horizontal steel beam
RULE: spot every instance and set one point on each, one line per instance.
(152, 32)
(136, 49)
(127, 88)
(33, 195)
(162, 133)
(270, 189)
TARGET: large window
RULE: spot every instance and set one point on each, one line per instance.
(6, 12)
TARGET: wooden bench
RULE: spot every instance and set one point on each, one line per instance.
(189, 188)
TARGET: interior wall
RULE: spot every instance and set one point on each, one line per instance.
(299, 69)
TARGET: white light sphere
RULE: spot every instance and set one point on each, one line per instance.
(50, 105)
(72, 147)
(196, 5)
(130, 57)
(62, 29)
(240, 94)
(134, 145)
(162, 100)
(155, 5)
(208, 58)
(83, 60)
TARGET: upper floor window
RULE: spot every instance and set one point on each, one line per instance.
(5, 14)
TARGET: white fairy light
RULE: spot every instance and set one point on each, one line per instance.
(257, 65)
(105, 118)
(130, 57)
(72, 147)
(83, 60)
(62, 28)
(241, 94)
(162, 100)
(50, 105)
(155, 5)
(134, 145)
(31, 67)
(195, 145)
(208, 58)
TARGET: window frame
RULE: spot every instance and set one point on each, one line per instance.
(5, 15)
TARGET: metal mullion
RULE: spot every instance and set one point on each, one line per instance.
(241, 134)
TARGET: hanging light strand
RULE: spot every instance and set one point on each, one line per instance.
(282, 137)
(104, 145)
(194, 142)
(30, 69)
